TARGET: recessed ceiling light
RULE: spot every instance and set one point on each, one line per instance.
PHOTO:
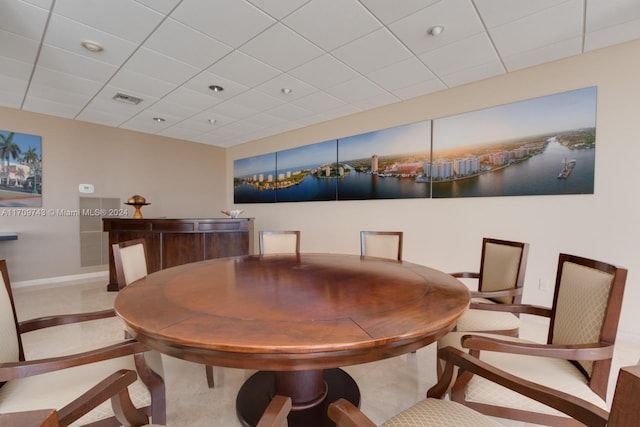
(216, 88)
(92, 46)
(159, 119)
(212, 121)
(435, 31)
(286, 90)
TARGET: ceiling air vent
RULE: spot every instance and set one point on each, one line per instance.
(127, 98)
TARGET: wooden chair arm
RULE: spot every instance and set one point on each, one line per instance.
(62, 319)
(513, 308)
(465, 275)
(113, 387)
(581, 410)
(276, 413)
(592, 351)
(512, 292)
(345, 414)
(11, 371)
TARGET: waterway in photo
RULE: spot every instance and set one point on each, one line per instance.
(537, 175)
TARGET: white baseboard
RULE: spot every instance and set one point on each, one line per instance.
(61, 280)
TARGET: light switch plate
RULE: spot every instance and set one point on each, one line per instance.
(86, 188)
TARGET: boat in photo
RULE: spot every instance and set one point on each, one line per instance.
(566, 170)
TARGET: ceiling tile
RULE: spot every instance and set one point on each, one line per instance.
(612, 35)
(23, 19)
(278, 9)
(499, 12)
(161, 67)
(185, 44)
(610, 13)
(288, 112)
(125, 18)
(543, 54)
(233, 110)
(12, 91)
(455, 57)
(191, 98)
(387, 48)
(473, 73)
(349, 21)
(64, 81)
(458, 17)
(39, 105)
(231, 22)
(243, 69)
(562, 22)
(18, 47)
(401, 74)
(323, 72)
(318, 102)
(355, 90)
(258, 100)
(71, 63)
(281, 48)
(15, 69)
(390, 11)
(162, 6)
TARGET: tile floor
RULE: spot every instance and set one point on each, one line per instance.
(387, 386)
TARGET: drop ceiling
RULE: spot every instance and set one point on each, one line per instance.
(334, 57)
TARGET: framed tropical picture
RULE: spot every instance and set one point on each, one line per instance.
(20, 170)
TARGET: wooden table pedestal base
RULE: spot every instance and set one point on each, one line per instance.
(311, 393)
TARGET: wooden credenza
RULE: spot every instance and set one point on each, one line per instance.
(171, 242)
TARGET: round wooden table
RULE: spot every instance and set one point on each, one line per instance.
(294, 318)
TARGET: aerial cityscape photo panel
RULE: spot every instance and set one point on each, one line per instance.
(540, 146)
(385, 164)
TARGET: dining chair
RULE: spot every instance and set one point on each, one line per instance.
(499, 286)
(279, 242)
(381, 244)
(54, 382)
(130, 263)
(576, 358)
(435, 411)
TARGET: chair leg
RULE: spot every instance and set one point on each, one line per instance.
(209, 370)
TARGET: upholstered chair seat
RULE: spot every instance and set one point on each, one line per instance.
(439, 413)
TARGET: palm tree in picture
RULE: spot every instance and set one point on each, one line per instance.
(8, 149)
(30, 158)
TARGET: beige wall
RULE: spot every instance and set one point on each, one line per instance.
(447, 234)
(178, 178)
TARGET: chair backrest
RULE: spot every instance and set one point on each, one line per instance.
(279, 242)
(502, 266)
(11, 349)
(130, 261)
(586, 310)
(381, 244)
